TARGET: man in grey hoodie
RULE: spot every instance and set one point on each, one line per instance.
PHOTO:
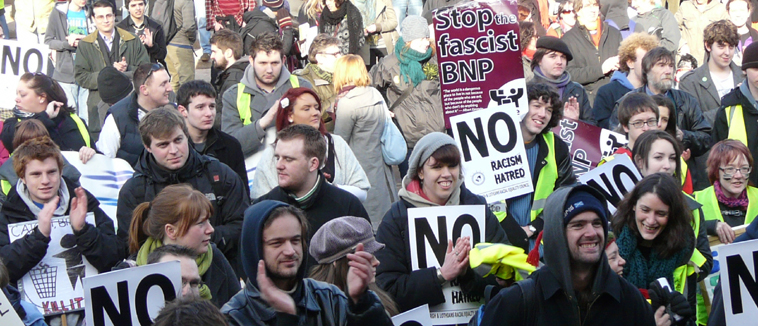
(246, 116)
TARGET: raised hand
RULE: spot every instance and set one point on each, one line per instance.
(45, 216)
(276, 298)
(360, 274)
(78, 213)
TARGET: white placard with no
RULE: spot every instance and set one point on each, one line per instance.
(54, 285)
(614, 179)
(738, 282)
(132, 296)
(429, 230)
(492, 148)
(16, 59)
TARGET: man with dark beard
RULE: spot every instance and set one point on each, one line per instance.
(693, 130)
(226, 52)
(277, 292)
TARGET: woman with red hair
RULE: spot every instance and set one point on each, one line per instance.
(730, 201)
(302, 106)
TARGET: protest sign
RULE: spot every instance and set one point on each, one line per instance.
(739, 286)
(54, 285)
(418, 316)
(613, 179)
(103, 177)
(494, 162)
(479, 57)
(132, 296)
(429, 230)
(8, 315)
(16, 59)
(588, 144)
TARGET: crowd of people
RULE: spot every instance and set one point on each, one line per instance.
(319, 234)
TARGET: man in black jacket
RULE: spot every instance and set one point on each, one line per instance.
(576, 286)
(595, 56)
(198, 106)
(299, 153)
(149, 31)
(693, 130)
(277, 293)
(41, 194)
(226, 52)
(168, 159)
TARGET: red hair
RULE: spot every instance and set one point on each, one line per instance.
(282, 114)
(724, 152)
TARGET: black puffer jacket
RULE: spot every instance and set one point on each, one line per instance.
(586, 68)
(689, 118)
(99, 244)
(63, 131)
(227, 150)
(227, 195)
(414, 288)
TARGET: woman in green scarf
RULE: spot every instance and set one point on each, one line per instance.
(411, 81)
(179, 215)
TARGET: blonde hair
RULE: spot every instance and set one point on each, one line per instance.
(313, 8)
(350, 70)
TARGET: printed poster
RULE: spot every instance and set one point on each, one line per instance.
(588, 144)
(428, 231)
(479, 57)
(16, 59)
(54, 286)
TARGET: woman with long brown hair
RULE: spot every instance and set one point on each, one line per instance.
(180, 215)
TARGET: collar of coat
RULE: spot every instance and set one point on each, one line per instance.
(123, 34)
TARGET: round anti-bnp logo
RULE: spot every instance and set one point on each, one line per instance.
(478, 178)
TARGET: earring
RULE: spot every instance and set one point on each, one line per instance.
(291, 121)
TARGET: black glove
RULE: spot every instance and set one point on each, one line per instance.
(679, 305)
(658, 295)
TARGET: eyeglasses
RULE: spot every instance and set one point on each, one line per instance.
(154, 67)
(650, 123)
(731, 171)
(334, 54)
(193, 284)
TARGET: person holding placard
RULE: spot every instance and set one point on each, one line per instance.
(273, 249)
(730, 201)
(576, 286)
(434, 179)
(549, 160)
(180, 215)
(41, 194)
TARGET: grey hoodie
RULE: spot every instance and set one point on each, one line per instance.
(55, 38)
(251, 136)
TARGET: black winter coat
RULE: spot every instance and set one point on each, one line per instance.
(689, 118)
(227, 150)
(230, 76)
(415, 288)
(63, 131)
(99, 244)
(749, 114)
(566, 176)
(586, 68)
(227, 196)
(221, 279)
(158, 51)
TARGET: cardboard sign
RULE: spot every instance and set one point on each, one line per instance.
(479, 57)
(54, 286)
(16, 59)
(613, 179)
(418, 316)
(8, 316)
(588, 144)
(494, 159)
(132, 296)
(429, 230)
(739, 285)
(103, 177)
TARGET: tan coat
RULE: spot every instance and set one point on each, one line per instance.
(692, 23)
(33, 15)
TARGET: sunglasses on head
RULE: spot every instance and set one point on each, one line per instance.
(153, 68)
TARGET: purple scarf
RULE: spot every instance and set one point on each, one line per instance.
(740, 202)
(559, 83)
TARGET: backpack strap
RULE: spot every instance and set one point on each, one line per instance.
(214, 178)
(529, 294)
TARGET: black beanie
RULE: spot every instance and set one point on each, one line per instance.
(113, 85)
(750, 56)
(555, 44)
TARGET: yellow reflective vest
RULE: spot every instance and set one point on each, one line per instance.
(737, 129)
(243, 100)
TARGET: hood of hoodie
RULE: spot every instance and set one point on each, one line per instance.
(249, 78)
(621, 77)
(556, 251)
(149, 168)
(251, 241)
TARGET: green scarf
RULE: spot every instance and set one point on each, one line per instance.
(410, 62)
(640, 271)
(203, 262)
(321, 73)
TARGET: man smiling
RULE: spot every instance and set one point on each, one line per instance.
(168, 159)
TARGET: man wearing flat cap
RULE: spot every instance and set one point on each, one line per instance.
(549, 67)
